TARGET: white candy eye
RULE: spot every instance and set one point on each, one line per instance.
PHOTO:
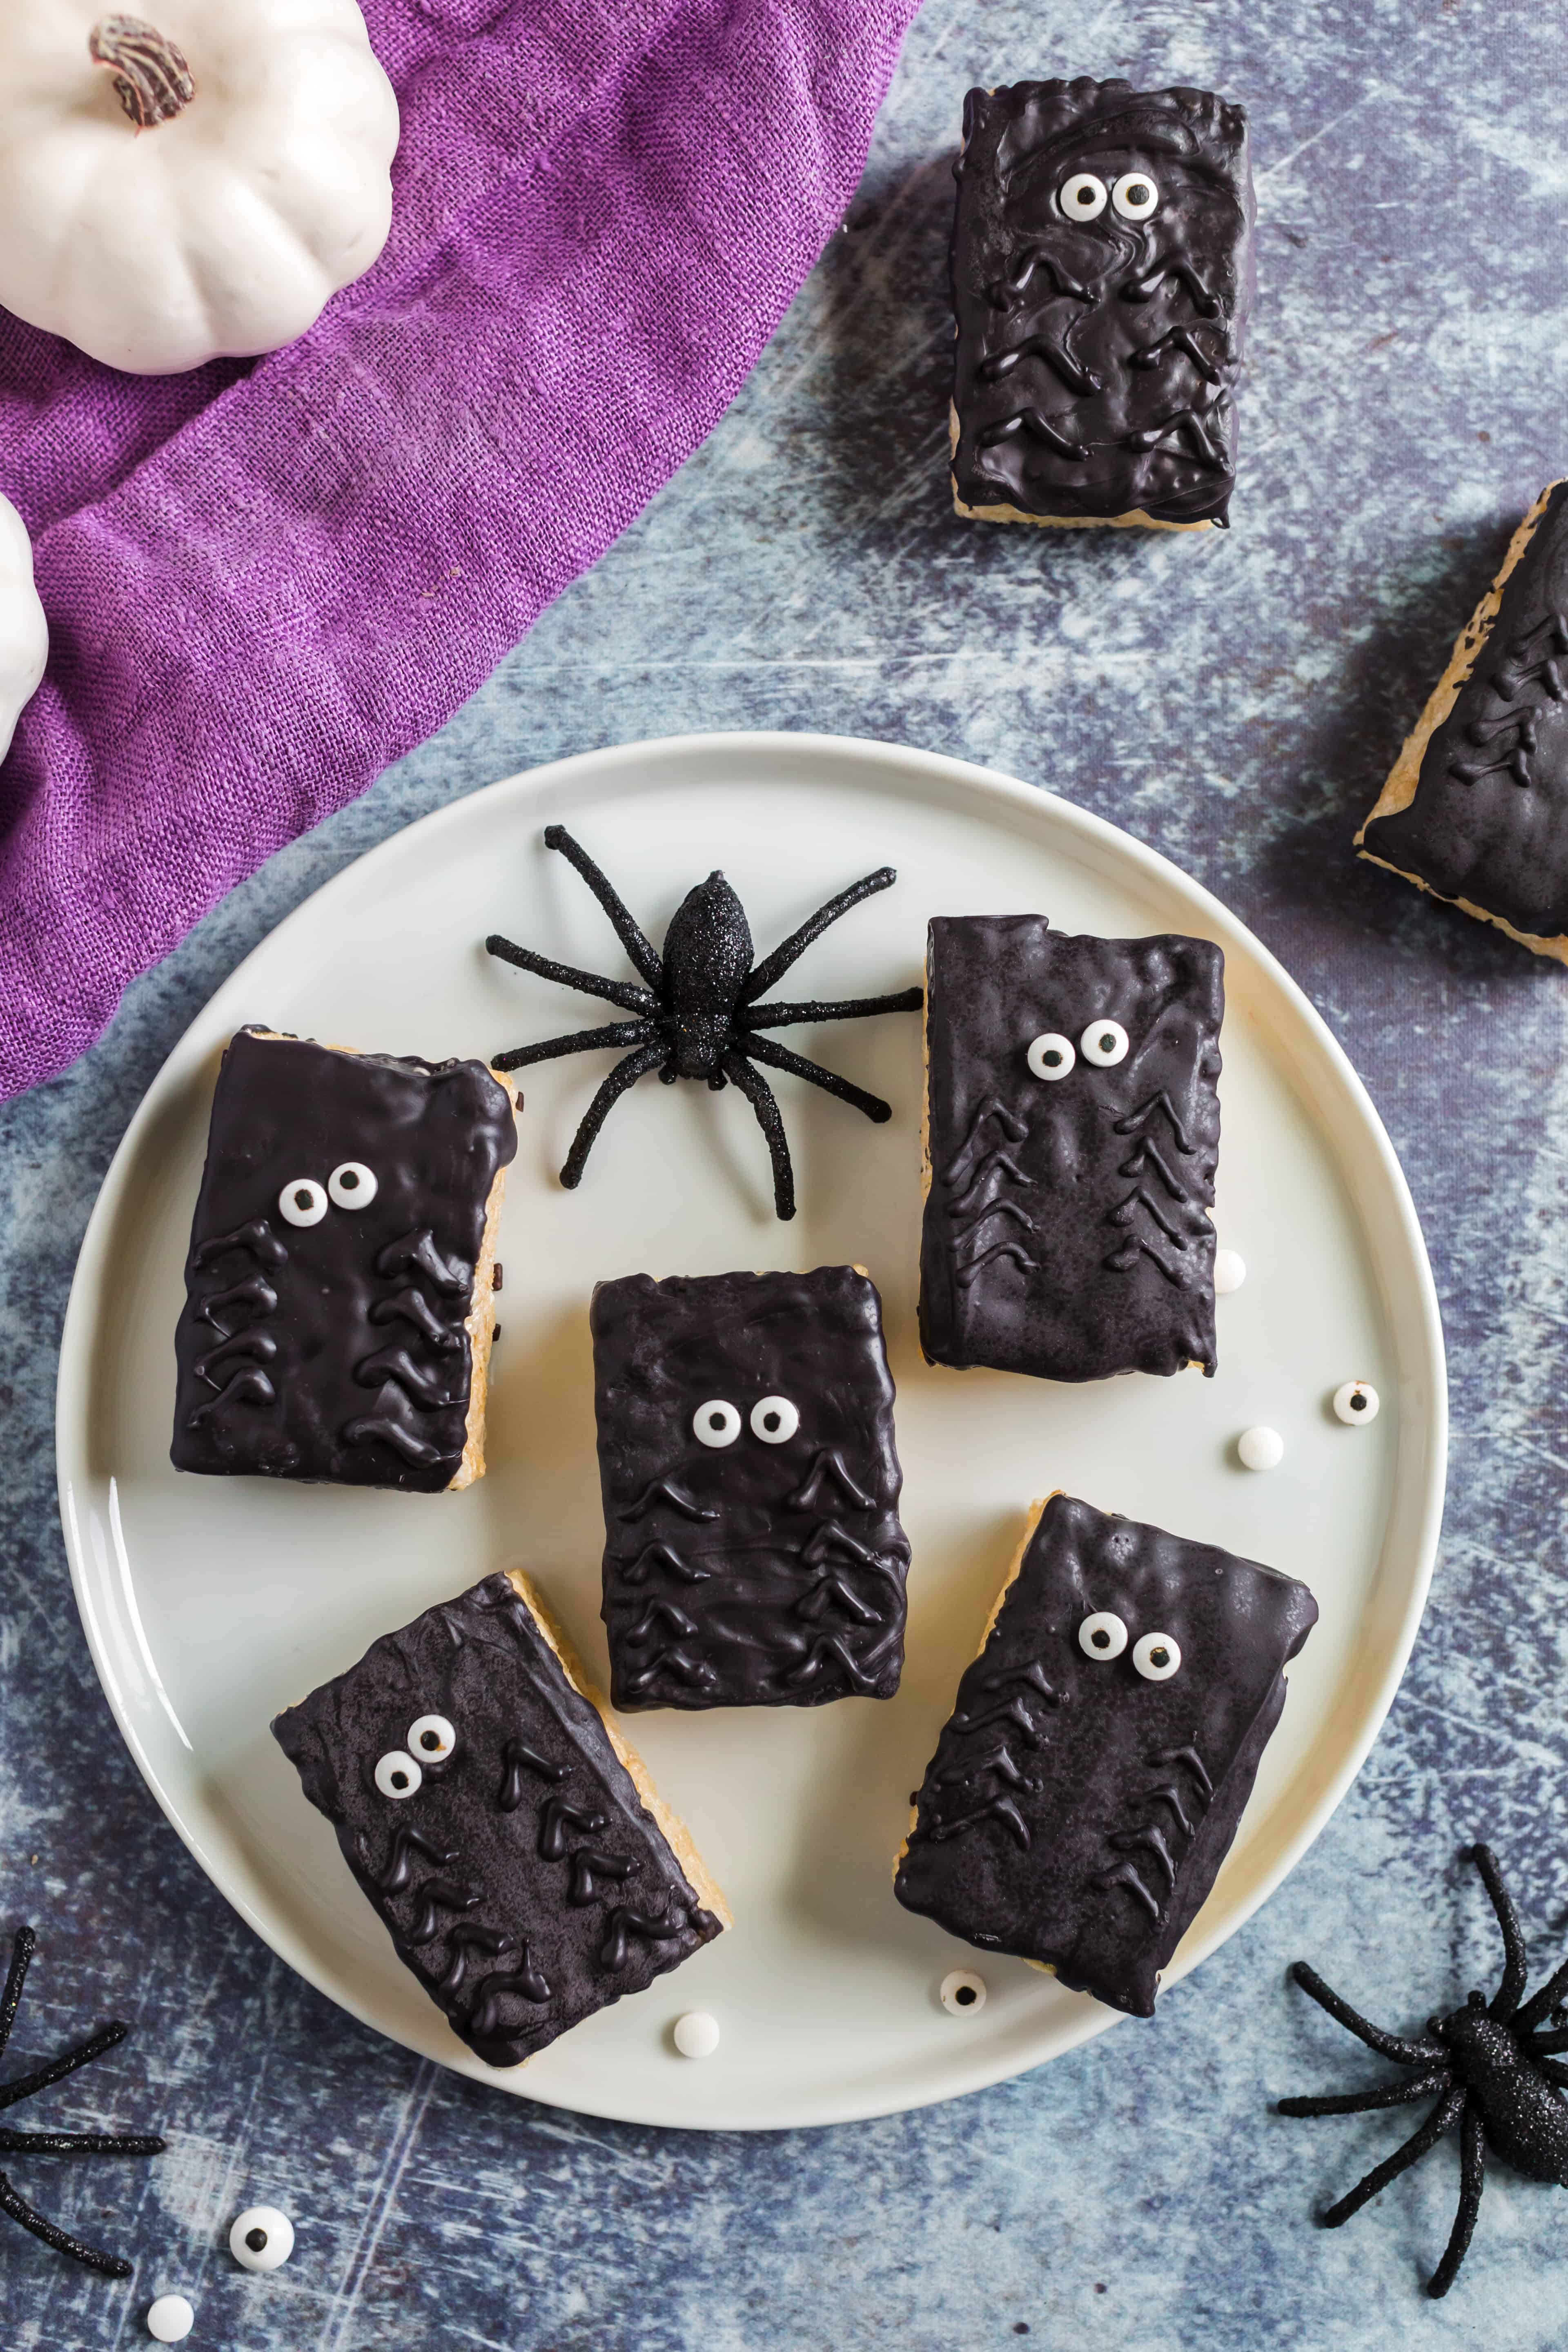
(775, 1420)
(1102, 1636)
(1135, 195)
(397, 1775)
(962, 1992)
(262, 2239)
(1356, 1402)
(1051, 1056)
(1156, 1656)
(1082, 197)
(301, 1202)
(1104, 1043)
(352, 1186)
(431, 1738)
(716, 1423)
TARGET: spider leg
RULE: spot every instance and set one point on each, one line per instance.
(790, 951)
(581, 1041)
(1443, 2118)
(625, 1074)
(83, 2055)
(1356, 2103)
(765, 1049)
(18, 2142)
(844, 1008)
(640, 949)
(109, 2265)
(567, 975)
(1472, 2180)
(1539, 2004)
(22, 1950)
(1387, 2045)
(1507, 1998)
(760, 1095)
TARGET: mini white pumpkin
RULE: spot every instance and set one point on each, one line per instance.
(194, 183)
(24, 631)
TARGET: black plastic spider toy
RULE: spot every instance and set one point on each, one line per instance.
(697, 1016)
(20, 2143)
(1488, 2064)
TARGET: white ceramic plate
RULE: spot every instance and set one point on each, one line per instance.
(210, 1603)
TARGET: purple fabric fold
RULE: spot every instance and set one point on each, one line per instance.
(266, 582)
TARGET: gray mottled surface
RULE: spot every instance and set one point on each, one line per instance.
(1233, 701)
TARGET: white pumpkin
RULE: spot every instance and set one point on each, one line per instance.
(24, 631)
(199, 184)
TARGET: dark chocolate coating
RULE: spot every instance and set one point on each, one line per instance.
(524, 1882)
(1066, 1229)
(1096, 359)
(336, 1350)
(1489, 819)
(1074, 1813)
(751, 1574)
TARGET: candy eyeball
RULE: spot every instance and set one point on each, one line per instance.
(431, 1738)
(262, 2239)
(716, 1423)
(397, 1775)
(1357, 1403)
(354, 1185)
(302, 1202)
(1051, 1056)
(1104, 1043)
(775, 1420)
(1156, 1656)
(1135, 196)
(1082, 197)
(1102, 1636)
(962, 1992)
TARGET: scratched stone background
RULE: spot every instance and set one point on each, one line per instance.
(1234, 700)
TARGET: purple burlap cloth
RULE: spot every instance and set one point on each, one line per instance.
(265, 582)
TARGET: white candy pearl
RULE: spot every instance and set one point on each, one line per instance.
(696, 2034)
(1260, 1448)
(1357, 1403)
(171, 2319)
(962, 1992)
(1229, 1271)
(276, 2231)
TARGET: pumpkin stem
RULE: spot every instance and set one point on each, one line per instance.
(151, 80)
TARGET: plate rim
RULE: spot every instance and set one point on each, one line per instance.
(1001, 2063)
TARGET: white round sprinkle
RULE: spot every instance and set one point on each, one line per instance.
(171, 2319)
(302, 1202)
(1260, 1449)
(716, 1423)
(696, 2034)
(354, 1185)
(1135, 195)
(1102, 1636)
(262, 2239)
(397, 1775)
(775, 1420)
(1357, 1403)
(1103, 1042)
(1082, 197)
(1052, 1056)
(1229, 1271)
(962, 1992)
(1157, 1658)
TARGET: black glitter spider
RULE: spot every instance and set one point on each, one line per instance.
(1488, 2064)
(697, 1016)
(20, 2143)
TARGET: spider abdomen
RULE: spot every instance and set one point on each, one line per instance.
(707, 961)
(1524, 2116)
